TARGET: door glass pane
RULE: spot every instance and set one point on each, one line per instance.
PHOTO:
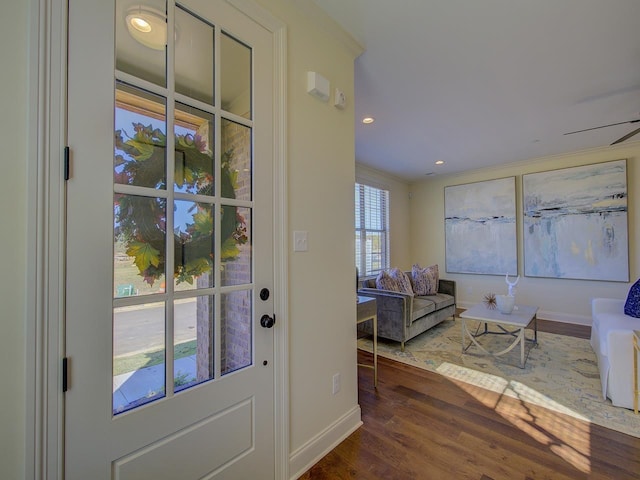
(193, 341)
(236, 330)
(194, 170)
(236, 246)
(138, 355)
(236, 160)
(194, 57)
(139, 245)
(193, 245)
(141, 39)
(235, 76)
(140, 138)
(213, 329)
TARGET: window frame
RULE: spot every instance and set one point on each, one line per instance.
(364, 196)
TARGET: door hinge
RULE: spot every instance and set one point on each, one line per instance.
(66, 163)
(65, 373)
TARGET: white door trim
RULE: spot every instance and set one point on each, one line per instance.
(45, 219)
(280, 231)
(44, 437)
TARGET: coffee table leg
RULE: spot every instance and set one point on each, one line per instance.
(522, 342)
(464, 333)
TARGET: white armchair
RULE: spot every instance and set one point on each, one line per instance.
(612, 340)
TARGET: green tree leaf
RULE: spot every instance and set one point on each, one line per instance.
(144, 255)
(203, 223)
(144, 148)
(229, 249)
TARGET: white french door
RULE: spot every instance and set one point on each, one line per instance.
(169, 242)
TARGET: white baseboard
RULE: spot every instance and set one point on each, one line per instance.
(565, 317)
(312, 451)
(549, 315)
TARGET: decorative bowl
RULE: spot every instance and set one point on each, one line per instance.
(505, 303)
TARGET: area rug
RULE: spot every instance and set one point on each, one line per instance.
(560, 374)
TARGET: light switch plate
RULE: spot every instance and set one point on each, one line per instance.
(300, 241)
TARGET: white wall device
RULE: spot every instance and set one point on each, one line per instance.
(339, 99)
(318, 86)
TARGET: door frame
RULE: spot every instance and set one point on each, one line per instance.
(46, 206)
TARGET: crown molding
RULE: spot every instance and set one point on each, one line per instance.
(322, 19)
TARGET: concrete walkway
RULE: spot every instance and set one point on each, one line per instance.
(132, 386)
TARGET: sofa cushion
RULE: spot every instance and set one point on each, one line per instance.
(441, 300)
(632, 305)
(403, 281)
(421, 307)
(384, 281)
(425, 280)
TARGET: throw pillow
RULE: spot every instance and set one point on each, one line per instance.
(403, 281)
(384, 281)
(425, 280)
(632, 305)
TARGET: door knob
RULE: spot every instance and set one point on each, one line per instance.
(267, 322)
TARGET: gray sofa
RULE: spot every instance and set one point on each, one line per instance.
(402, 316)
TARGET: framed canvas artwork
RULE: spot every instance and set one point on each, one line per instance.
(480, 227)
(575, 223)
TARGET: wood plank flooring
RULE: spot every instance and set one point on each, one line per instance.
(420, 425)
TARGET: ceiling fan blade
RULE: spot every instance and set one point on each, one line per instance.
(628, 135)
(602, 126)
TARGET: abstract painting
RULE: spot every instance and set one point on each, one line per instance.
(575, 223)
(480, 227)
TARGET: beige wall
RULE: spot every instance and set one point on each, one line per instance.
(399, 215)
(565, 300)
(13, 207)
(321, 175)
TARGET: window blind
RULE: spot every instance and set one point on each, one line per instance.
(372, 229)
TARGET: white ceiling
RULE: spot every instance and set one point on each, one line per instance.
(478, 83)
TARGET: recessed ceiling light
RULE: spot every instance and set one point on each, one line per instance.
(148, 26)
(439, 162)
(140, 24)
(368, 120)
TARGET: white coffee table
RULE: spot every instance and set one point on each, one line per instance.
(520, 319)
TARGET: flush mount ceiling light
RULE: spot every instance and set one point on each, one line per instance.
(147, 26)
(368, 120)
(440, 162)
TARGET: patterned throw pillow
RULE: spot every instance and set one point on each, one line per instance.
(632, 305)
(403, 281)
(384, 281)
(425, 280)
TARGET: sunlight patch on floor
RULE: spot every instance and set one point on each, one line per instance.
(567, 434)
(500, 385)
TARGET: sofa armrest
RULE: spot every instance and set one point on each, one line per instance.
(607, 305)
(448, 287)
(388, 300)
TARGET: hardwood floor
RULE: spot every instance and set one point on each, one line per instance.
(421, 425)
